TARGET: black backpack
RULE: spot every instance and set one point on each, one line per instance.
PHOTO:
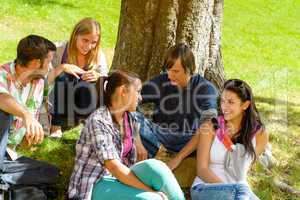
(28, 179)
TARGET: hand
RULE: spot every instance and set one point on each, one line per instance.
(34, 130)
(91, 76)
(73, 69)
(174, 163)
(163, 196)
(142, 153)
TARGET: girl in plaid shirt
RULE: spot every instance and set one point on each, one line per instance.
(105, 152)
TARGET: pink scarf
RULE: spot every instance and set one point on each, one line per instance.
(222, 134)
(224, 137)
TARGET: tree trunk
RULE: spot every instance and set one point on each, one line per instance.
(148, 29)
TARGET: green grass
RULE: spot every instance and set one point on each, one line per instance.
(55, 20)
(261, 41)
(260, 44)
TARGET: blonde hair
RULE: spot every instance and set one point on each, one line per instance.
(83, 27)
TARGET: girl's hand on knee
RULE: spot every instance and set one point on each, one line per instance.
(142, 153)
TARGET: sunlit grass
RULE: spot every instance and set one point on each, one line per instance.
(260, 44)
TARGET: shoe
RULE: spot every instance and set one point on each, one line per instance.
(56, 133)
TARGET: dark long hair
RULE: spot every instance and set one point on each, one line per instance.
(251, 121)
(106, 86)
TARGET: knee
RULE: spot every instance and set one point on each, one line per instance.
(5, 117)
(242, 190)
(241, 186)
(64, 77)
(157, 169)
(154, 164)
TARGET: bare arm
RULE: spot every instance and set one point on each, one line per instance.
(34, 131)
(55, 72)
(262, 139)
(68, 68)
(142, 153)
(124, 174)
(203, 157)
(10, 105)
(189, 148)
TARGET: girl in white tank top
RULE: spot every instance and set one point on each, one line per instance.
(238, 125)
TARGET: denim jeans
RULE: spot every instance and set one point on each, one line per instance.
(73, 99)
(151, 172)
(235, 191)
(5, 124)
(153, 136)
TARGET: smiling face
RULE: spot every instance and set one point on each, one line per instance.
(177, 75)
(231, 105)
(85, 43)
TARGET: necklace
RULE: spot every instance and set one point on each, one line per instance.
(18, 84)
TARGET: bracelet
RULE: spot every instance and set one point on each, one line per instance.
(162, 195)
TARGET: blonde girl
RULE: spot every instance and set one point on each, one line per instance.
(73, 96)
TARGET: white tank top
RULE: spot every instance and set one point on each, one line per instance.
(217, 159)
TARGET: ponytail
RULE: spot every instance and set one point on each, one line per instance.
(106, 86)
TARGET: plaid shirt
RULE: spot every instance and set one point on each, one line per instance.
(100, 140)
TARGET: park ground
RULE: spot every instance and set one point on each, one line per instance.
(260, 44)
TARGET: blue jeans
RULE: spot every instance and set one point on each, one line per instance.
(235, 191)
(5, 124)
(151, 172)
(153, 136)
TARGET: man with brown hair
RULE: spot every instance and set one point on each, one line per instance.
(183, 101)
(22, 84)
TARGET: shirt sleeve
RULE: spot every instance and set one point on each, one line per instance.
(102, 67)
(60, 48)
(207, 96)
(151, 91)
(102, 141)
(3, 82)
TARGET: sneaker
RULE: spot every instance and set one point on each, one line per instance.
(56, 132)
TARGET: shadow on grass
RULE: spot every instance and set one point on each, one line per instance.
(292, 110)
(273, 101)
(65, 157)
(284, 137)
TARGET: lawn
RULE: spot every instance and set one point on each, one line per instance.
(260, 44)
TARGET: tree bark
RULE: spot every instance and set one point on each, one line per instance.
(147, 29)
